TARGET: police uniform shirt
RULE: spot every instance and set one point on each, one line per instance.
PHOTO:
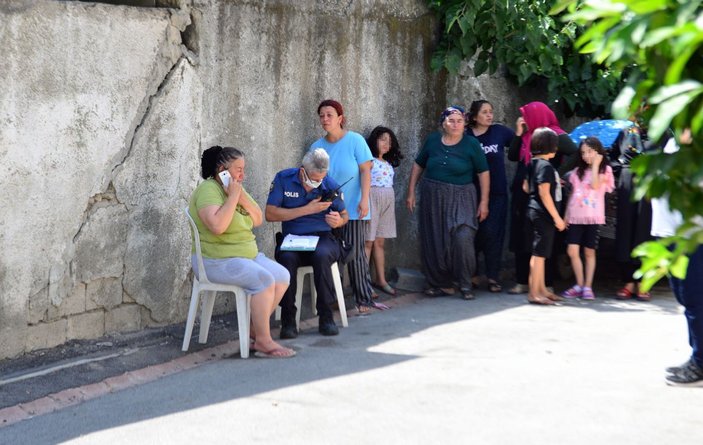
(287, 192)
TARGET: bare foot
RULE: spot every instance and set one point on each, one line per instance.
(363, 309)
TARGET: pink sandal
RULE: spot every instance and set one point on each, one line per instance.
(588, 294)
(574, 291)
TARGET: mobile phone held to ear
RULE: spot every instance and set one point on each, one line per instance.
(225, 178)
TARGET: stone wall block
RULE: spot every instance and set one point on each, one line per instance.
(123, 318)
(104, 293)
(85, 326)
(46, 335)
(154, 280)
(38, 306)
(74, 303)
(101, 244)
(13, 339)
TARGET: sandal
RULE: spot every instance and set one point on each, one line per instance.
(588, 294)
(437, 292)
(554, 297)
(467, 294)
(380, 306)
(275, 353)
(385, 288)
(494, 287)
(624, 294)
(643, 296)
(574, 291)
(540, 300)
(518, 289)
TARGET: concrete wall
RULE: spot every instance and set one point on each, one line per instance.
(106, 110)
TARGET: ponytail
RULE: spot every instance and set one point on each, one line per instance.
(216, 156)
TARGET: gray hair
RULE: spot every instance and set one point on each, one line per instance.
(316, 161)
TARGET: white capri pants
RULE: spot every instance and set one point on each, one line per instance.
(252, 275)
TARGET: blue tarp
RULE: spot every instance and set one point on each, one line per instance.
(605, 130)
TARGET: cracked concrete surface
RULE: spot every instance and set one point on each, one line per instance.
(72, 110)
(106, 110)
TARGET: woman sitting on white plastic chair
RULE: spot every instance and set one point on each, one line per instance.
(225, 215)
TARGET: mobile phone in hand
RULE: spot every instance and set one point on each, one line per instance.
(225, 178)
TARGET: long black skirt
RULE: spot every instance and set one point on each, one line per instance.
(448, 227)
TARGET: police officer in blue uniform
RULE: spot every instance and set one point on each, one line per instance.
(299, 198)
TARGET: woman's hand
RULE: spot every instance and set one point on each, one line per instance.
(234, 189)
(410, 202)
(363, 209)
(520, 126)
(482, 211)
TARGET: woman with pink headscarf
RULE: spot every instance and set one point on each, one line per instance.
(534, 115)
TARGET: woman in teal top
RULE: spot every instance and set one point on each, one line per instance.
(225, 218)
(449, 212)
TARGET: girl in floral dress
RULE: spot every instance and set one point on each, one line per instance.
(386, 152)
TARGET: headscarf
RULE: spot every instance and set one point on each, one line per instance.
(536, 115)
(452, 109)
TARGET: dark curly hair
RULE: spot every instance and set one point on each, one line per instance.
(216, 156)
(595, 144)
(394, 155)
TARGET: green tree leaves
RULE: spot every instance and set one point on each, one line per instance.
(661, 43)
(534, 47)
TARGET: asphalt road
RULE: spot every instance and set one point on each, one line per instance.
(490, 371)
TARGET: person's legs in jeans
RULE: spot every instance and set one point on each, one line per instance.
(691, 297)
(493, 229)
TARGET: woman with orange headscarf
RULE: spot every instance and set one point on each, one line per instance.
(533, 115)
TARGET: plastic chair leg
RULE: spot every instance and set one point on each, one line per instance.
(299, 293)
(313, 294)
(340, 294)
(192, 312)
(243, 318)
(206, 314)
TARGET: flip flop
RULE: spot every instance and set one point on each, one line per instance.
(380, 306)
(541, 301)
(643, 296)
(275, 353)
(624, 294)
(437, 292)
(554, 297)
(494, 287)
(385, 288)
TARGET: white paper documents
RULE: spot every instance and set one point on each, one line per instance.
(299, 242)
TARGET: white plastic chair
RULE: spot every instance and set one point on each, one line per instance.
(336, 277)
(209, 288)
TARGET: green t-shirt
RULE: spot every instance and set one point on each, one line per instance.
(237, 240)
(454, 164)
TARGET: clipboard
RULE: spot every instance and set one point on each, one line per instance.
(302, 243)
